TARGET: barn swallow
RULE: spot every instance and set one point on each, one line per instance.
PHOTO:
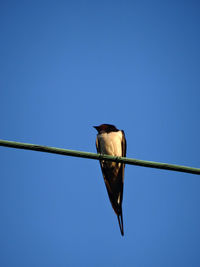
(112, 141)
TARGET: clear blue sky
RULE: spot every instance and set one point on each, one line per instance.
(66, 66)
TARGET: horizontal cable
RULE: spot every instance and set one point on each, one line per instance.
(89, 155)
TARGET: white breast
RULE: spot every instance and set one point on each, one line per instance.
(111, 143)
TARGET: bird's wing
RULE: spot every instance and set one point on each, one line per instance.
(114, 182)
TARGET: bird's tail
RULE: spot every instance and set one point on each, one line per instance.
(120, 220)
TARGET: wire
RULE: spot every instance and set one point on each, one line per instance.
(89, 155)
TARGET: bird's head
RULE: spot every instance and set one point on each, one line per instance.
(105, 128)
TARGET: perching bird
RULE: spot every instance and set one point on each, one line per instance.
(111, 141)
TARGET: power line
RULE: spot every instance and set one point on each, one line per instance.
(89, 155)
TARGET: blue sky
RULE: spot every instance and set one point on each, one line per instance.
(66, 66)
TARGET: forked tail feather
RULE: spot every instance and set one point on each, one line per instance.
(120, 220)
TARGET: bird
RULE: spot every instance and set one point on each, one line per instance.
(111, 141)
